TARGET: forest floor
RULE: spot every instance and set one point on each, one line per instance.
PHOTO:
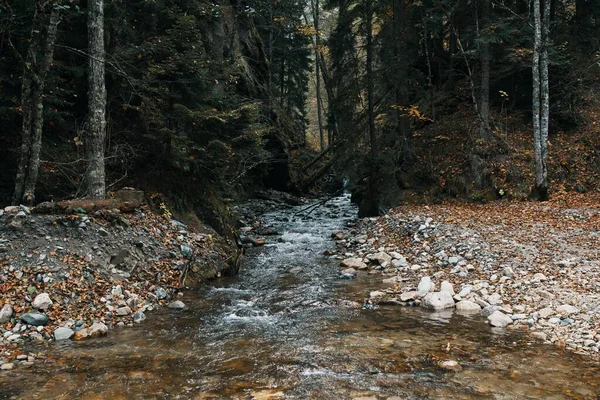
(78, 275)
(523, 265)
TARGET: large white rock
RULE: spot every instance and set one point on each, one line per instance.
(446, 286)
(499, 319)
(438, 301)
(467, 306)
(425, 285)
(356, 263)
(42, 301)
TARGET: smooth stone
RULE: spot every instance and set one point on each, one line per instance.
(453, 260)
(545, 312)
(356, 263)
(98, 329)
(123, 311)
(177, 305)
(437, 301)
(425, 285)
(139, 317)
(467, 306)
(446, 286)
(63, 333)
(35, 319)
(494, 299)
(516, 317)
(554, 320)
(349, 271)
(7, 366)
(42, 301)
(5, 313)
(499, 319)
(450, 365)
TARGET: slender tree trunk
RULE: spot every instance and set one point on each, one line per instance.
(370, 81)
(540, 106)
(37, 99)
(316, 14)
(429, 72)
(95, 173)
(25, 139)
(484, 105)
(32, 96)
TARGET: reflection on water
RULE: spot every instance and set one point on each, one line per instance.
(275, 331)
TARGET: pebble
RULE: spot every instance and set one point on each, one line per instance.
(7, 366)
(177, 305)
(6, 313)
(42, 301)
(63, 333)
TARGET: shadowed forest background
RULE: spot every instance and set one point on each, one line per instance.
(208, 102)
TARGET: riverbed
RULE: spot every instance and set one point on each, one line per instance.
(288, 327)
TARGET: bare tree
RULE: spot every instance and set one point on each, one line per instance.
(484, 104)
(36, 64)
(541, 98)
(96, 132)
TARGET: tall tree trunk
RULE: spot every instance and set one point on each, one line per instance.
(96, 132)
(541, 103)
(32, 96)
(484, 104)
(369, 205)
(316, 16)
(370, 81)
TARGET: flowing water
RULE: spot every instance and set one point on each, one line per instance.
(281, 329)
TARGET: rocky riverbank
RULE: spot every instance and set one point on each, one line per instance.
(528, 266)
(78, 274)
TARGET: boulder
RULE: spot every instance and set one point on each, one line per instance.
(438, 301)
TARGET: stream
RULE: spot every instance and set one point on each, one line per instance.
(283, 328)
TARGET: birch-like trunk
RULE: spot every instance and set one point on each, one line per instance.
(32, 97)
(484, 104)
(96, 132)
(541, 101)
